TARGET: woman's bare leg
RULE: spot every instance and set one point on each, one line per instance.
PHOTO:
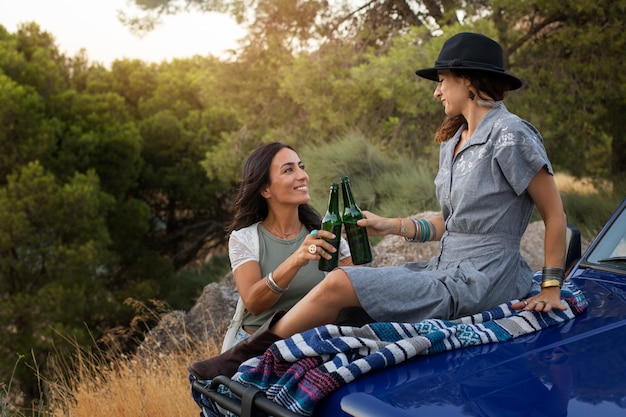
(320, 306)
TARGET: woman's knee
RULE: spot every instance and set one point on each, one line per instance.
(337, 284)
(337, 278)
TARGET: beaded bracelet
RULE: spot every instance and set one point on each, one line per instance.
(402, 228)
(273, 286)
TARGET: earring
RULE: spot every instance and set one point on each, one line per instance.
(471, 95)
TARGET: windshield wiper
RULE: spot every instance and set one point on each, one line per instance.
(613, 259)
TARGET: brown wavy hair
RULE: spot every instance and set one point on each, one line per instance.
(489, 87)
(250, 206)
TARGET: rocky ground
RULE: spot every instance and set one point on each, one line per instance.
(206, 322)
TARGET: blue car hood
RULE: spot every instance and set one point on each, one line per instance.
(574, 369)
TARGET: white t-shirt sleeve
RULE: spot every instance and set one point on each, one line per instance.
(344, 249)
(243, 246)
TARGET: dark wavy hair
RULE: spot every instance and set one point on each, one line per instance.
(250, 206)
(489, 87)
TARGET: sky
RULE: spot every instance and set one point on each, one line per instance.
(93, 25)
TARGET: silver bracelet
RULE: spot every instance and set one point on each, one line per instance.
(417, 229)
(273, 286)
(424, 228)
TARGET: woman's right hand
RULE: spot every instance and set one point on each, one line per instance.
(314, 246)
(377, 225)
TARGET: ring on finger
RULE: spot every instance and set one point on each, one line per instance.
(313, 249)
(314, 232)
(525, 302)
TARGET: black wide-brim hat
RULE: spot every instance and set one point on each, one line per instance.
(471, 52)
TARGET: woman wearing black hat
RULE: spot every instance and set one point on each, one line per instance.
(493, 171)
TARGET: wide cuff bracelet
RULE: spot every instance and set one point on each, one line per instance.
(551, 283)
(550, 274)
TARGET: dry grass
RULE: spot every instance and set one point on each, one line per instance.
(108, 384)
(127, 387)
(582, 186)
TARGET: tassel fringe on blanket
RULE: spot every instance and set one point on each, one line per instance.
(299, 371)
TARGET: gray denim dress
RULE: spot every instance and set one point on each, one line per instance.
(482, 192)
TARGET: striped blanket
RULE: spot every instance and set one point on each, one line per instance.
(299, 371)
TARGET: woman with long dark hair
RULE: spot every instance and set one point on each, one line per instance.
(269, 238)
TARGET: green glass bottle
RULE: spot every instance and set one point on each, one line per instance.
(332, 223)
(357, 235)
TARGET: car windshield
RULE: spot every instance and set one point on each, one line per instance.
(611, 249)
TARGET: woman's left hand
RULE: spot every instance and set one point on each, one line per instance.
(547, 300)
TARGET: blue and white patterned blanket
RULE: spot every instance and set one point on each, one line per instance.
(299, 371)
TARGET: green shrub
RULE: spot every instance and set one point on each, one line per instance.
(383, 181)
(186, 286)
